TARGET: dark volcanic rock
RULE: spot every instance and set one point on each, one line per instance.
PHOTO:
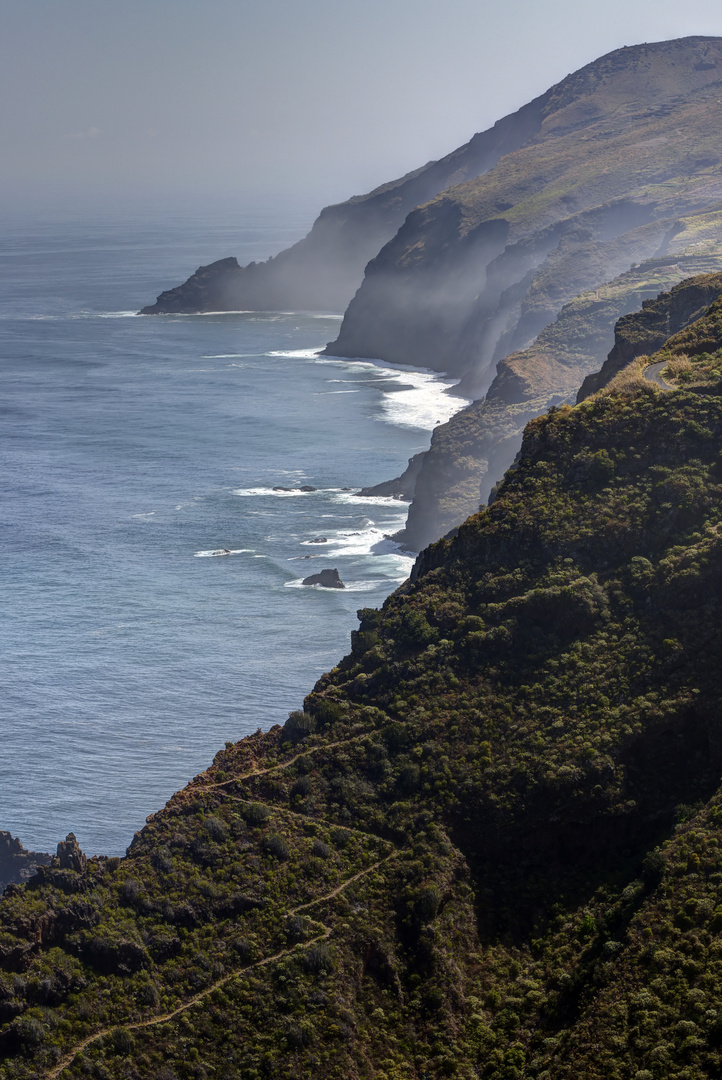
(328, 579)
(69, 856)
(401, 487)
(211, 288)
(17, 864)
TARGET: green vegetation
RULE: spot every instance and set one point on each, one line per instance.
(489, 844)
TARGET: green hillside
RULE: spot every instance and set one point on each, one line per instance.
(489, 846)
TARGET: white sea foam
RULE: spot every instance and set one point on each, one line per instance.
(350, 499)
(294, 493)
(352, 586)
(217, 552)
(423, 404)
(419, 401)
(295, 354)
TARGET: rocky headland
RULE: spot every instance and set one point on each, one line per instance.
(490, 843)
(508, 262)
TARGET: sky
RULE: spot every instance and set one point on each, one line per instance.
(313, 100)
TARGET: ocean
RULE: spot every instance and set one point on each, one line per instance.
(133, 447)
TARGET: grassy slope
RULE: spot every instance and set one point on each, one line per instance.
(489, 847)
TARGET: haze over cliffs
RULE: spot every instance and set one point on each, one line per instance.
(490, 845)
(617, 165)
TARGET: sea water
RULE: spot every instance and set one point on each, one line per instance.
(133, 448)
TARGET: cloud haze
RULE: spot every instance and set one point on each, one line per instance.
(318, 99)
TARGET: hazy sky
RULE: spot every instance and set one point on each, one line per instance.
(325, 98)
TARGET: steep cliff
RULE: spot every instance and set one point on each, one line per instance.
(16, 862)
(472, 451)
(490, 845)
(626, 147)
(323, 270)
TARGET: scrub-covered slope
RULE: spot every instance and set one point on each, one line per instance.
(490, 844)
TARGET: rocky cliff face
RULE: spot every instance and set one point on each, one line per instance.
(16, 863)
(472, 451)
(627, 146)
(323, 271)
(489, 846)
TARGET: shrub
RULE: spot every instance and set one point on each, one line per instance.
(302, 787)
(318, 958)
(298, 726)
(216, 829)
(257, 813)
(276, 845)
(321, 850)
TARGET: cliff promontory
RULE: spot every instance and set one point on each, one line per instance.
(489, 845)
(323, 271)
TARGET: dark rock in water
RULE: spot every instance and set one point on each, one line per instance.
(328, 579)
(305, 487)
(319, 540)
(17, 864)
(211, 288)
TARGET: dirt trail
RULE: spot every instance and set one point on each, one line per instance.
(272, 768)
(139, 1025)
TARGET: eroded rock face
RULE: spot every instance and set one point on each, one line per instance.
(328, 579)
(69, 856)
(17, 864)
(470, 453)
(620, 156)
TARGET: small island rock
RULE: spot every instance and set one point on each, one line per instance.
(328, 579)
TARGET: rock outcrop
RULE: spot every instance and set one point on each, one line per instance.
(471, 452)
(69, 856)
(17, 864)
(327, 579)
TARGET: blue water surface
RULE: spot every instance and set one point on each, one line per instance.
(132, 447)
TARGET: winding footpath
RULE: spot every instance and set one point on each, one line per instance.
(140, 1025)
